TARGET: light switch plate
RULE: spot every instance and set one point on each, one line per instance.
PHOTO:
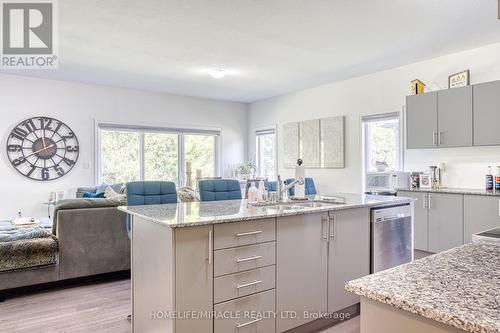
(87, 165)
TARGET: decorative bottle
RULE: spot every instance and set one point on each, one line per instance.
(489, 180)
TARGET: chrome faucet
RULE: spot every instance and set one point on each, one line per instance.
(282, 189)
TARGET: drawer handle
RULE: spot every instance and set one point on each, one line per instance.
(249, 233)
(248, 284)
(248, 259)
(255, 321)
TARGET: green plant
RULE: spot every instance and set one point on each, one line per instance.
(246, 167)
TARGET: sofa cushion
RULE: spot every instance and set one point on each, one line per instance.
(93, 195)
(118, 188)
(80, 203)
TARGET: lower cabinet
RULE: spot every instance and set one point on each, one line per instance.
(316, 255)
(420, 219)
(480, 213)
(445, 221)
(438, 220)
(348, 254)
(301, 268)
(194, 282)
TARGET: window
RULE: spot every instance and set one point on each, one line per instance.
(382, 141)
(128, 153)
(200, 150)
(161, 156)
(265, 145)
(120, 158)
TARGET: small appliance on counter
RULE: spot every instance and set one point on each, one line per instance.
(386, 183)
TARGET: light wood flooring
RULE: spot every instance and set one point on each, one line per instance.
(95, 308)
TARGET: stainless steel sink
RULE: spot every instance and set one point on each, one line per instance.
(291, 205)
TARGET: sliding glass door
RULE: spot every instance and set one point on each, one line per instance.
(130, 153)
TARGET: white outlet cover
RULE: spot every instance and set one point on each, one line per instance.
(87, 165)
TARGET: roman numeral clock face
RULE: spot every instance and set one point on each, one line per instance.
(42, 148)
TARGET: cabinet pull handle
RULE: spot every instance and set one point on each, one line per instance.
(324, 232)
(239, 286)
(255, 321)
(434, 138)
(440, 138)
(424, 201)
(248, 259)
(210, 247)
(429, 202)
(332, 224)
(250, 233)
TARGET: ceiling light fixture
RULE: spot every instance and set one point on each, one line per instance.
(217, 73)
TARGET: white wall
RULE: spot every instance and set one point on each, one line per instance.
(380, 93)
(79, 105)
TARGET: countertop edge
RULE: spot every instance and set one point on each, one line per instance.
(458, 191)
(425, 312)
(459, 321)
(401, 200)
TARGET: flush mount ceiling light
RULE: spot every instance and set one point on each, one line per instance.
(217, 73)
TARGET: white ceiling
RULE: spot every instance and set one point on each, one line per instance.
(272, 46)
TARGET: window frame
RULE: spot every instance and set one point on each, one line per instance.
(143, 129)
(400, 144)
(272, 129)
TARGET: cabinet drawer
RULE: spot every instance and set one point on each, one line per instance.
(243, 284)
(246, 321)
(244, 233)
(244, 258)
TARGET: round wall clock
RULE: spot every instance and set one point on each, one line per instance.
(42, 148)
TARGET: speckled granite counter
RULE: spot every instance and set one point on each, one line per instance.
(459, 287)
(211, 212)
(453, 191)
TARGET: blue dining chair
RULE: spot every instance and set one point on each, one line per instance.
(310, 188)
(219, 189)
(149, 193)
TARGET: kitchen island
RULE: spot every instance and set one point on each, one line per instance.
(228, 266)
(454, 291)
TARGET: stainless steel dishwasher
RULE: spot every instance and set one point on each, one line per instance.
(391, 237)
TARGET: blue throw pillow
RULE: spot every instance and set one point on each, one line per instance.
(93, 195)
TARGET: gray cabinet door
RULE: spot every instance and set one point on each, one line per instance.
(480, 213)
(486, 113)
(349, 254)
(421, 121)
(455, 117)
(445, 221)
(301, 267)
(420, 219)
(194, 277)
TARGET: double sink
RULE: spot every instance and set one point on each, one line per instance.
(298, 205)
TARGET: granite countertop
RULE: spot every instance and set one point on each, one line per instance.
(459, 287)
(453, 191)
(212, 212)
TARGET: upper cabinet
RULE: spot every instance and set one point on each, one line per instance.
(459, 117)
(487, 113)
(454, 121)
(421, 121)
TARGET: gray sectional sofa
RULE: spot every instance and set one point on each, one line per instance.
(92, 240)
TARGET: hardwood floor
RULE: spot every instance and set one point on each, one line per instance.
(96, 308)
